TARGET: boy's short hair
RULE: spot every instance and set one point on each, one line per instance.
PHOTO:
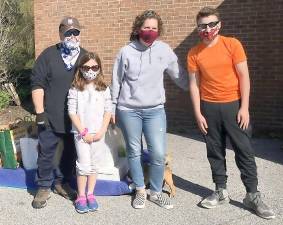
(207, 11)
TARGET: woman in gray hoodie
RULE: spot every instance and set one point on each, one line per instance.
(138, 97)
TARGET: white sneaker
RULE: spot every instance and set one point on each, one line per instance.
(139, 200)
(218, 197)
(161, 200)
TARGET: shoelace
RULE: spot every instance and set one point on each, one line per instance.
(91, 198)
(42, 193)
(258, 200)
(81, 200)
(219, 194)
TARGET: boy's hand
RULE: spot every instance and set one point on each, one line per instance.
(243, 118)
(201, 121)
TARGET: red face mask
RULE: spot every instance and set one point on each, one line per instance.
(148, 36)
(209, 35)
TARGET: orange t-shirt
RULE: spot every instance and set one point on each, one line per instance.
(215, 65)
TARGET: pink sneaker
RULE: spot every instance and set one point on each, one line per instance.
(81, 205)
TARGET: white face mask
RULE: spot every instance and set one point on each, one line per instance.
(90, 75)
(71, 44)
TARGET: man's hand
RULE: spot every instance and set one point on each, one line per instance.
(243, 118)
(41, 119)
(201, 121)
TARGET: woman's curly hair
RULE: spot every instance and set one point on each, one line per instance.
(139, 21)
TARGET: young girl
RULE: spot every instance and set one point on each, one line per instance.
(89, 106)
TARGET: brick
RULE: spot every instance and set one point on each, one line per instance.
(107, 25)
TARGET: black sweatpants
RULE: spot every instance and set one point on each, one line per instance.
(221, 119)
(48, 172)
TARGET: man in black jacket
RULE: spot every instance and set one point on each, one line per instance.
(51, 79)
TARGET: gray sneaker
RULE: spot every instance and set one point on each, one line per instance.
(254, 201)
(40, 198)
(161, 200)
(219, 197)
(139, 200)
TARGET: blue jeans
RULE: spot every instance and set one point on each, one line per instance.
(152, 123)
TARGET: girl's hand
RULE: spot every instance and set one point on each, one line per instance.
(113, 118)
(88, 138)
(98, 135)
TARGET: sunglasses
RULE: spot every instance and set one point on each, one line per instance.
(93, 68)
(211, 25)
(71, 32)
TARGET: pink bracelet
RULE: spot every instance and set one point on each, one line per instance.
(85, 131)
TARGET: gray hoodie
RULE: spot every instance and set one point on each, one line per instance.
(138, 75)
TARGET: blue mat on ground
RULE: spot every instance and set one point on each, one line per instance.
(24, 179)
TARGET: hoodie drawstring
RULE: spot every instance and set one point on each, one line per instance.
(149, 54)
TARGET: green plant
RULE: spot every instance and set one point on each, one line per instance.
(4, 99)
(16, 39)
(23, 49)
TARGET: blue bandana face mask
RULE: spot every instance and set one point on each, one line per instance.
(71, 44)
(69, 51)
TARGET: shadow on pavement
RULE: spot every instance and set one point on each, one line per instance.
(199, 190)
(191, 187)
(265, 148)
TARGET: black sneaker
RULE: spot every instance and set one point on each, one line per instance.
(66, 191)
(139, 200)
(219, 197)
(254, 201)
(40, 198)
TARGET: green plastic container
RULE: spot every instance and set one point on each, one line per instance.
(7, 153)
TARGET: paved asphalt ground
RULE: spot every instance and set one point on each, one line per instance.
(193, 180)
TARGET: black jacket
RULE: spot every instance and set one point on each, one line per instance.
(50, 74)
